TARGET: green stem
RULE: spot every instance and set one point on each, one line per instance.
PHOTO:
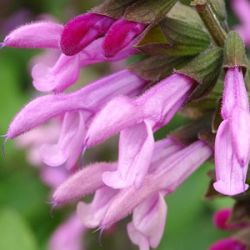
(211, 21)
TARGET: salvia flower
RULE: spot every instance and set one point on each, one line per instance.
(66, 70)
(166, 178)
(77, 109)
(232, 145)
(136, 119)
(167, 171)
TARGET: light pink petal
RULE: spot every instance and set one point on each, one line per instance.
(70, 144)
(53, 177)
(89, 99)
(135, 152)
(137, 238)
(46, 57)
(230, 176)
(176, 173)
(84, 182)
(149, 220)
(92, 214)
(57, 78)
(68, 236)
(158, 105)
(244, 32)
(240, 126)
(163, 150)
(35, 35)
(119, 113)
(163, 100)
(52, 155)
(41, 110)
(121, 83)
(235, 92)
(242, 10)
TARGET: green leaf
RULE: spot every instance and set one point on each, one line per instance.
(15, 233)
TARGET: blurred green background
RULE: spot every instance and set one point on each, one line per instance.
(26, 217)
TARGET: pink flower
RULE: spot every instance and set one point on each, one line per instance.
(166, 178)
(171, 165)
(66, 70)
(136, 119)
(232, 145)
(77, 109)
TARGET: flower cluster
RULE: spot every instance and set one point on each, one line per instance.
(134, 105)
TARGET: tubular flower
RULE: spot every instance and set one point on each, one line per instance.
(66, 70)
(77, 109)
(166, 178)
(137, 118)
(168, 169)
(232, 145)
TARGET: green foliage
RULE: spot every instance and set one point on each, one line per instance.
(15, 232)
